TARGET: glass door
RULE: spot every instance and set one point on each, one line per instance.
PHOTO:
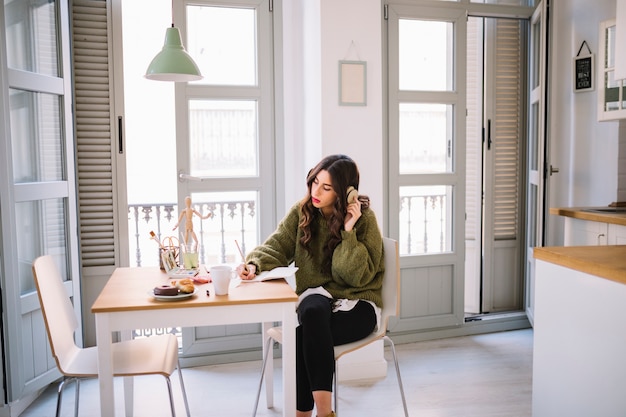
(536, 149)
(37, 188)
(427, 108)
(211, 140)
(225, 146)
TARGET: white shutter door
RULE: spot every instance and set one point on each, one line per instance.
(474, 167)
(502, 277)
(495, 114)
(94, 133)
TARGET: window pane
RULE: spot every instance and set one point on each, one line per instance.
(425, 138)
(222, 41)
(609, 53)
(223, 138)
(37, 141)
(533, 140)
(535, 58)
(41, 227)
(426, 55)
(31, 40)
(532, 216)
(425, 219)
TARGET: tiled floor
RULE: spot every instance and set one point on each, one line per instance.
(473, 376)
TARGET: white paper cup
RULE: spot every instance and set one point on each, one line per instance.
(221, 276)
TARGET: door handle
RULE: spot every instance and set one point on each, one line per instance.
(553, 170)
(183, 176)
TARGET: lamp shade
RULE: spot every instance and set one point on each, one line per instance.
(173, 63)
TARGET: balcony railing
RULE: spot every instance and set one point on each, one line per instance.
(230, 221)
(424, 224)
(424, 228)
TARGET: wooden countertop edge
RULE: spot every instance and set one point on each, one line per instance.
(608, 262)
(579, 213)
(156, 304)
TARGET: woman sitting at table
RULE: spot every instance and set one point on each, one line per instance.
(332, 236)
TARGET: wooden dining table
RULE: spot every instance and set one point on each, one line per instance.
(126, 303)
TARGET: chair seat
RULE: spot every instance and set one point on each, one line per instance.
(276, 333)
(152, 355)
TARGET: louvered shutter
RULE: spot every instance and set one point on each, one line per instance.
(94, 133)
(508, 129)
(473, 147)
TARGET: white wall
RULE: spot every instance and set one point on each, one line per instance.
(584, 149)
(351, 30)
(319, 34)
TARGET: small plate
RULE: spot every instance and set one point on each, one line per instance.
(180, 296)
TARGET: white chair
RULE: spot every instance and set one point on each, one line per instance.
(152, 355)
(391, 307)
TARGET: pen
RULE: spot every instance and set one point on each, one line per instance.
(243, 258)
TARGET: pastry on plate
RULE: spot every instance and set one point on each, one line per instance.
(184, 285)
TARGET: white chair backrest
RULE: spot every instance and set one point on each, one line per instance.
(391, 281)
(57, 309)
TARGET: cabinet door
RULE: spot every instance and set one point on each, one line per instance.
(611, 94)
(585, 233)
(617, 234)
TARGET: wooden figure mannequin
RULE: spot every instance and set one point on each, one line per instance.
(188, 213)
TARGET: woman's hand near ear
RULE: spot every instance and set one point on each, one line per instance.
(353, 214)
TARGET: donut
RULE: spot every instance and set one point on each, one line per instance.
(165, 290)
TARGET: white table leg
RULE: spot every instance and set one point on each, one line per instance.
(289, 361)
(129, 391)
(105, 365)
(269, 367)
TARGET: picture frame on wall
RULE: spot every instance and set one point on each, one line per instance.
(583, 70)
(352, 83)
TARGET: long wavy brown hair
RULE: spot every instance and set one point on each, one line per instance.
(344, 173)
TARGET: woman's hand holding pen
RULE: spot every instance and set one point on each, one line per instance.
(246, 272)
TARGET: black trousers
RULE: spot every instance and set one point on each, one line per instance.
(320, 329)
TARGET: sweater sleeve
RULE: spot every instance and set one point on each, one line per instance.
(358, 259)
(278, 249)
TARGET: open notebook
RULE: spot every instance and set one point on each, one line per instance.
(276, 273)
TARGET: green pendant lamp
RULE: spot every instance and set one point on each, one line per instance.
(173, 63)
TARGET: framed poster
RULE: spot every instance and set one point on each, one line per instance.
(352, 83)
(583, 70)
(583, 73)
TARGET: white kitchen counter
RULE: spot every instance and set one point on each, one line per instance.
(579, 355)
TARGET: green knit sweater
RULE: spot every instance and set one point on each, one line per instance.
(357, 264)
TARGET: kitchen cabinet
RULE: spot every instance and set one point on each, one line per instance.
(585, 232)
(616, 235)
(611, 91)
(579, 365)
(592, 226)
